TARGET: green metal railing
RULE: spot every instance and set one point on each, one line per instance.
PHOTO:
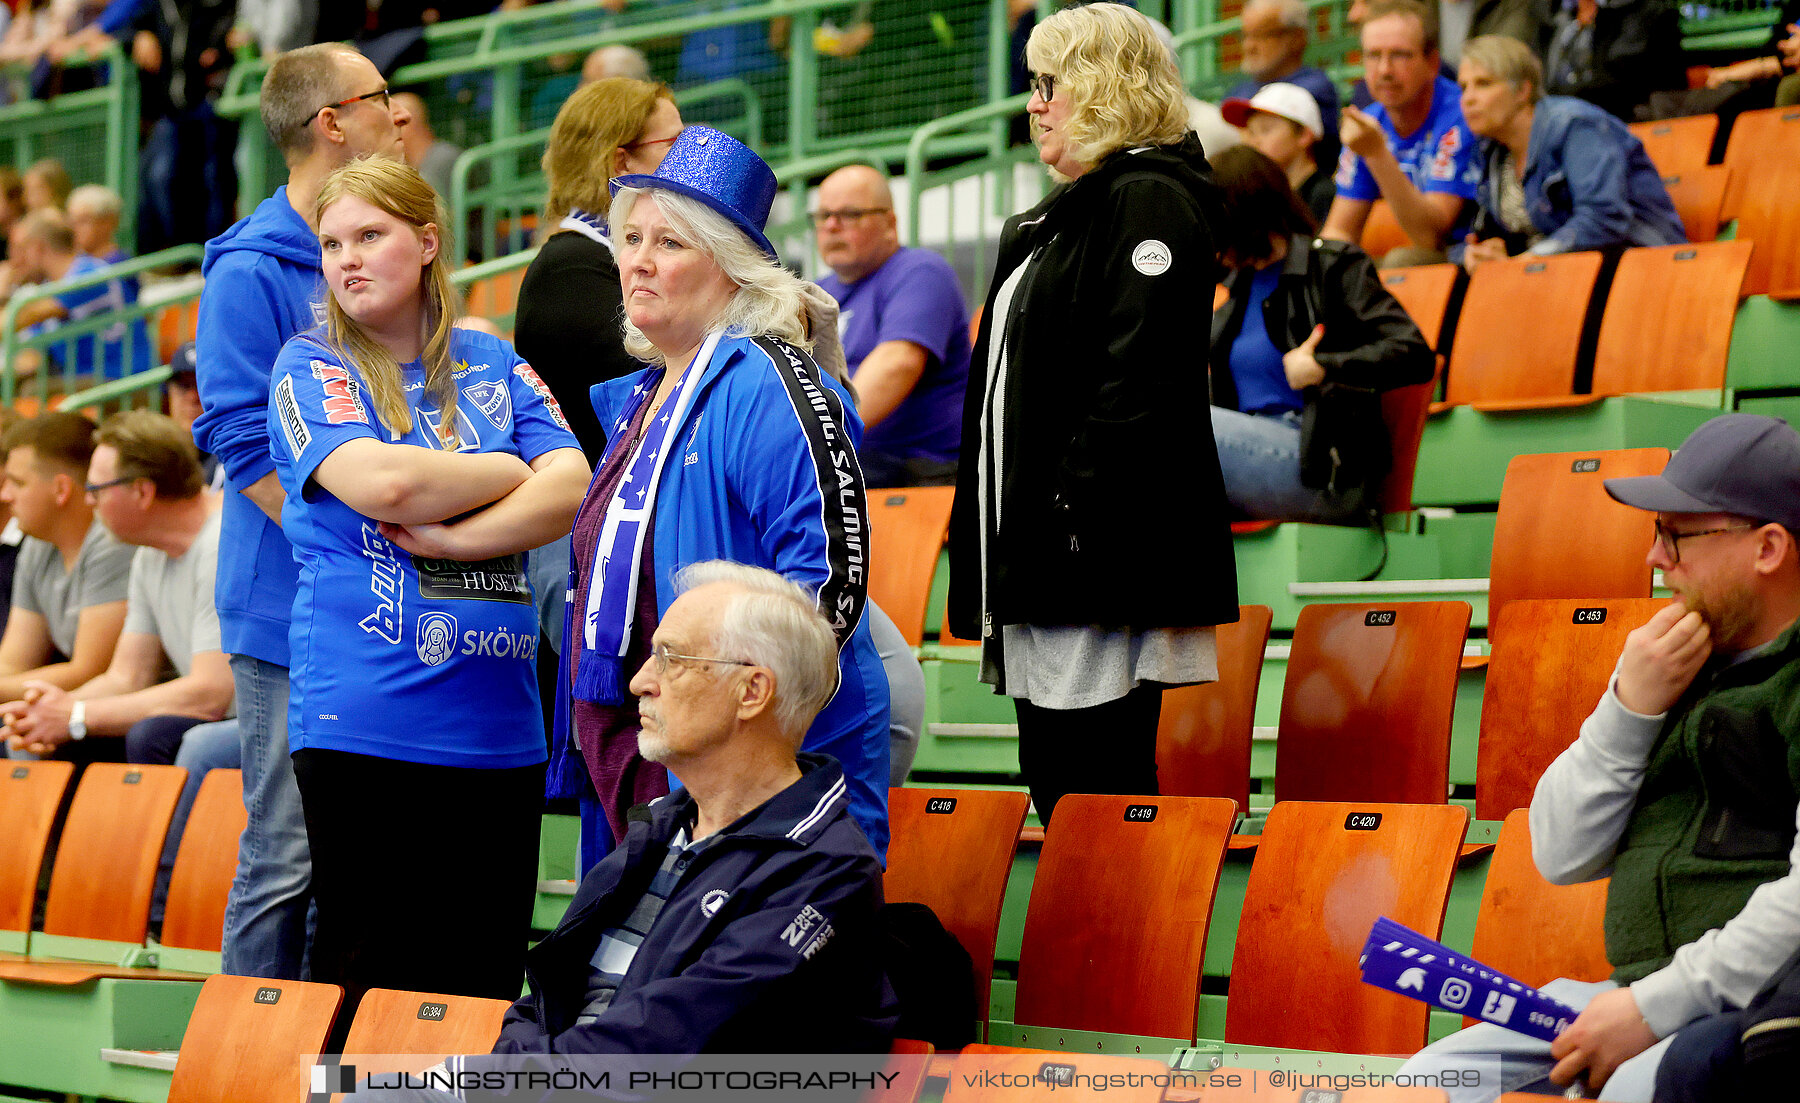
(56, 351)
(496, 184)
(94, 133)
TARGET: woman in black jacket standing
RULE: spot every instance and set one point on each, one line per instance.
(1297, 398)
(1089, 542)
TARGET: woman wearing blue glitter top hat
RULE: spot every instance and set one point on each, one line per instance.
(732, 445)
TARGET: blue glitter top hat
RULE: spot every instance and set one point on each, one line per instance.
(718, 170)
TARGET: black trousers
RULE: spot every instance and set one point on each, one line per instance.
(424, 876)
(1108, 748)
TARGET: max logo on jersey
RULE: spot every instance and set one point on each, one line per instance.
(435, 637)
(343, 398)
(493, 400)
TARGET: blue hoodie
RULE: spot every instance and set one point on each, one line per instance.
(262, 283)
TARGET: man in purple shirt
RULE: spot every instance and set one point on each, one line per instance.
(905, 329)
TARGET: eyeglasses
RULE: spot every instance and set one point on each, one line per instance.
(1670, 540)
(379, 93)
(662, 656)
(650, 142)
(1045, 85)
(95, 488)
(847, 215)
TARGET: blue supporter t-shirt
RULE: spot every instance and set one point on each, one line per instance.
(912, 297)
(107, 358)
(1440, 156)
(420, 660)
(1262, 386)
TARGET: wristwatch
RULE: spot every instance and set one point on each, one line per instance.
(78, 720)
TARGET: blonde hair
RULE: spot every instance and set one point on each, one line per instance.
(397, 188)
(768, 299)
(595, 121)
(1506, 58)
(1121, 80)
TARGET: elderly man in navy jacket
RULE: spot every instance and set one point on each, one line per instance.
(737, 916)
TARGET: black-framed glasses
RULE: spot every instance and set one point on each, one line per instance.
(1670, 539)
(95, 488)
(381, 93)
(1045, 84)
(846, 215)
(662, 656)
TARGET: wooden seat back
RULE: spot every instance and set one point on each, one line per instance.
(106, 861)
(1699, 195)
(1115, 935)
(907, 529)
(253, 1040)
(1499, 361)
(1669, 316)
(194, 917)
(1203, 740)
(1367, 703)
(1559, 534)
(1425, 292)
(1532, 930)
(1381, 231)
(1551, 661)
(421, 1027)
(1678, 145)
(952, 850)
(1761, 145)
(30, 794)
(1323, 874)
(1769, 218)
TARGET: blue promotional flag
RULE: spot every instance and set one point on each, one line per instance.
(1404, 961)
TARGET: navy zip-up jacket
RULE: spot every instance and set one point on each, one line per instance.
(766, 945)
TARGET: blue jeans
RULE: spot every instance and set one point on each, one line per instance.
(266, 914)
(203, 747)
(1512, 1062)
(1260, 457)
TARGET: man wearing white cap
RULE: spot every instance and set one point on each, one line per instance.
(1282, 122)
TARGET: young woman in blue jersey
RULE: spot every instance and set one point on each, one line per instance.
(421, 463)
(732, 445)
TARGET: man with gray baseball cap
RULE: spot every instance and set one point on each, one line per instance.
(1682, 784)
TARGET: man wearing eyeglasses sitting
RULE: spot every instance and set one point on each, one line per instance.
(736, 915)
(905, 328)
(1681, 786)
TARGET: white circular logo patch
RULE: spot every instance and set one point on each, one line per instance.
(712, 902)
(1151, 257)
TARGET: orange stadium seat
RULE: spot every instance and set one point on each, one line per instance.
(1769, 217)
(1425, 293)
(1530, 929)
(1117, 944)
(1499, 363)
(1551, 661)
(1678, 145)
(1367, 703)
(952, 850)
(1762, 144)
(1322, 876)
(253, 1040)
(1647, 346)
(1381, 232)
(195, 914)
(1699, 194)
(422, 1028)
(1203, 740)
(30, 794)
(907, 529)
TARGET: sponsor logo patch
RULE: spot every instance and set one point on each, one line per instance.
(293, 426)
(712, 902)
(384, 583)
(1151, 257)
(524, 372)
(343, 397)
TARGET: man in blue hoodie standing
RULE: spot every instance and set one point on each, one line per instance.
(323, 105)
